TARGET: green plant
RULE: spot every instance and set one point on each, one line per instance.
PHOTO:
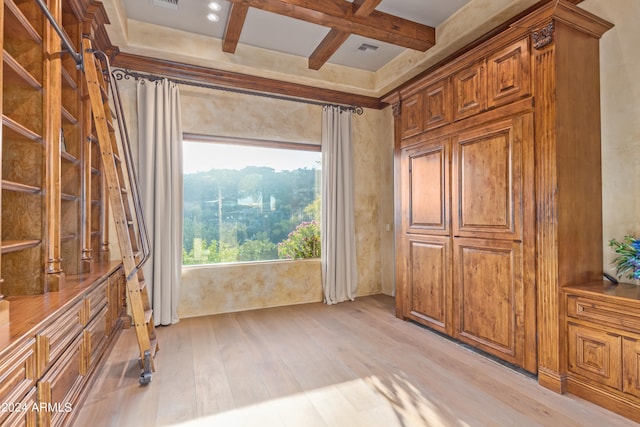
(303, 242)
(628, 260)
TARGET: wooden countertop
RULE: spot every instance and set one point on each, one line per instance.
(623, 292)
(30, 313)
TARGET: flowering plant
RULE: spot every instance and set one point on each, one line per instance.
(628, 260)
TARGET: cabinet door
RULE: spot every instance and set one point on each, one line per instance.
(596, 355)
(469, 91)
(429, 281)
(488, 179)
(631, 366)
(508, 74)
(489, 297)
(425, 188)
(412, 115)
(437, 104)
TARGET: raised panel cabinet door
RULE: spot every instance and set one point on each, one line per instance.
(429, 276)
(412, 115)
(437, 109)
(508, 74)
(489, 303)
(425, 188)
(631, 366)
(469, 91)
(489, 166)
(595, 354)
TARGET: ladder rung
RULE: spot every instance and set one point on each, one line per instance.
(142, 284)
(130, 223)
(124, 190)
(148, 314)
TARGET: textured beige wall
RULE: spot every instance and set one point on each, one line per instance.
(226, 288)
(620, 105)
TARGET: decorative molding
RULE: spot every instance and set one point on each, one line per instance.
(544, 36)
(242, 82)
(396, 107)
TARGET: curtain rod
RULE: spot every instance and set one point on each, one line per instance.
(126, 74)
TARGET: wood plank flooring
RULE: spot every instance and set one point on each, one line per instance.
(351, 364)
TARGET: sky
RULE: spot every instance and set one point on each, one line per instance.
(203, 156)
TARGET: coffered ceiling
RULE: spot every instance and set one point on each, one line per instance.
(365, 34)
(361, 47)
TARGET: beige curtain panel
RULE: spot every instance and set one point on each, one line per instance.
(160, 166)
(339, 269)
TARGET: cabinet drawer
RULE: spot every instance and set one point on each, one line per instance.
(596, 355)
(61, 385)
(95, 300)
(53, 340)
(18, 371)
(603, 313)
(19, 411)
(94, 340)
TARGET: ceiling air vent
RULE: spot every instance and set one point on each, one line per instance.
(367, 47)
(171, 4)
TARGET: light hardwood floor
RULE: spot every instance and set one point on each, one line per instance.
(352, 364)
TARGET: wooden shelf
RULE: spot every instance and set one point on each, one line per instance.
(20, 188)
(68, 197)
(16, 74)
(9, 246)
(20, 129)
(68, 79)
(66, 115)
(68, 237)
(19, 23)
(68, 157)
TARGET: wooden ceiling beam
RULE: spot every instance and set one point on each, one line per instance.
(339, 15)
(332, 41)
(235, 22)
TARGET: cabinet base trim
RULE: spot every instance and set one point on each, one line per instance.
(628, 407)
(552, 380)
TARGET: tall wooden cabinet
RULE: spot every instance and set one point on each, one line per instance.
(498, 180)
(61, 300)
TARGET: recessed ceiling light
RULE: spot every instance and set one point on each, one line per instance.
(213, 17)
(215, 6)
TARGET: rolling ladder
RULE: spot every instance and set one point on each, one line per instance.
(124, 199)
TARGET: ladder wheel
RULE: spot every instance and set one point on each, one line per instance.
(145, 378)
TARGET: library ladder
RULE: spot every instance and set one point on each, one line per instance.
(123, 197)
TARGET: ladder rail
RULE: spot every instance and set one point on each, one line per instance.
(128, 158)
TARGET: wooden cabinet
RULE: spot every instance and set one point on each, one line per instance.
(464, 228)
(49, 362)
(603, 344)
(488, 181)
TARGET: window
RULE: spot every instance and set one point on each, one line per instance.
(250, 201)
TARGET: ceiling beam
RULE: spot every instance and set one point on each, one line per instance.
(235, 22)
(339, 15)
(332, 41)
